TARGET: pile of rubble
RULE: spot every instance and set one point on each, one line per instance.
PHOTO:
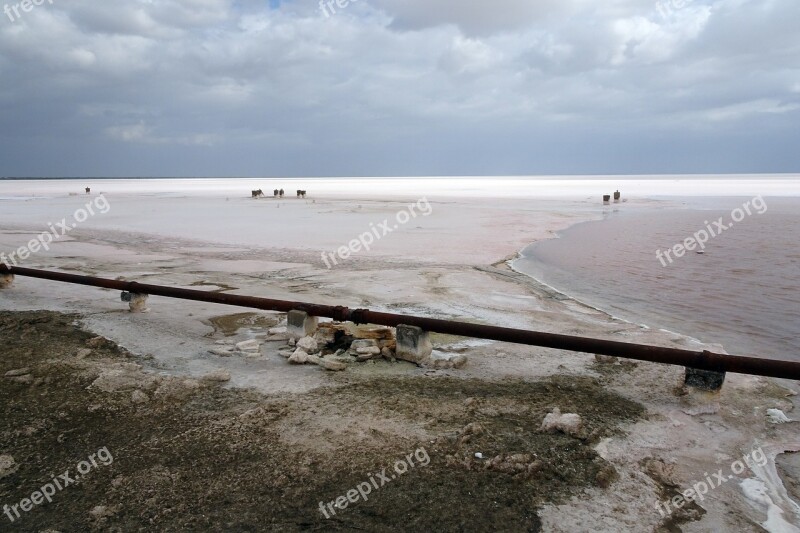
(335, 345)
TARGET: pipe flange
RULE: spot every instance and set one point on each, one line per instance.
(341, 313)
(358, 316)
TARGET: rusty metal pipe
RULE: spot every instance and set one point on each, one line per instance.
(702, 360)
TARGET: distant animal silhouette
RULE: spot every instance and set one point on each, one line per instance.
(275, 193)
(301, 194)
(258, 193)
(88, 190)
(281, 193)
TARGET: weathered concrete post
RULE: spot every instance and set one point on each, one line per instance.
(413, 344)
(704, 379)
(137, 303)
(299, 324)
(606, 199)
(617, 196)
(6, 280)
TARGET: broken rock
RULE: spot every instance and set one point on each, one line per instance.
(373, 350)
(248, 346)
(299, 357)
(441, 364)
(327, 364)
(569, 423)
(7, 466)
(776, 416)
(342, 356)
(328, 331)
(364, 344)
(308, 345)
(459, 361)
(373, 332)
(365, 354)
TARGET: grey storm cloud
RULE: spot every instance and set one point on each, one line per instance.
(398, 87)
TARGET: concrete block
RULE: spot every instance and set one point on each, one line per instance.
(704, 379)
(137, 303)
(6, 280)
(300, 324)
(413, 344)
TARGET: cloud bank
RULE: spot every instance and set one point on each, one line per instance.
(399, 87)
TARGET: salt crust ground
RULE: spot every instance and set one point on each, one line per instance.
(439, 265)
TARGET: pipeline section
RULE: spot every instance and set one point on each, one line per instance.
(701, 360)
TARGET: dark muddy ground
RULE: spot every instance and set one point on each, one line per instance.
(193, 455)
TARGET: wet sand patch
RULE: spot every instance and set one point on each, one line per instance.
(229, 325)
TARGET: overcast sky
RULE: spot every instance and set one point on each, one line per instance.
(399, 87)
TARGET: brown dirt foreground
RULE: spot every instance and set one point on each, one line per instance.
(194, 455)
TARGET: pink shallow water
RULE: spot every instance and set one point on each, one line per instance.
(743, 292)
